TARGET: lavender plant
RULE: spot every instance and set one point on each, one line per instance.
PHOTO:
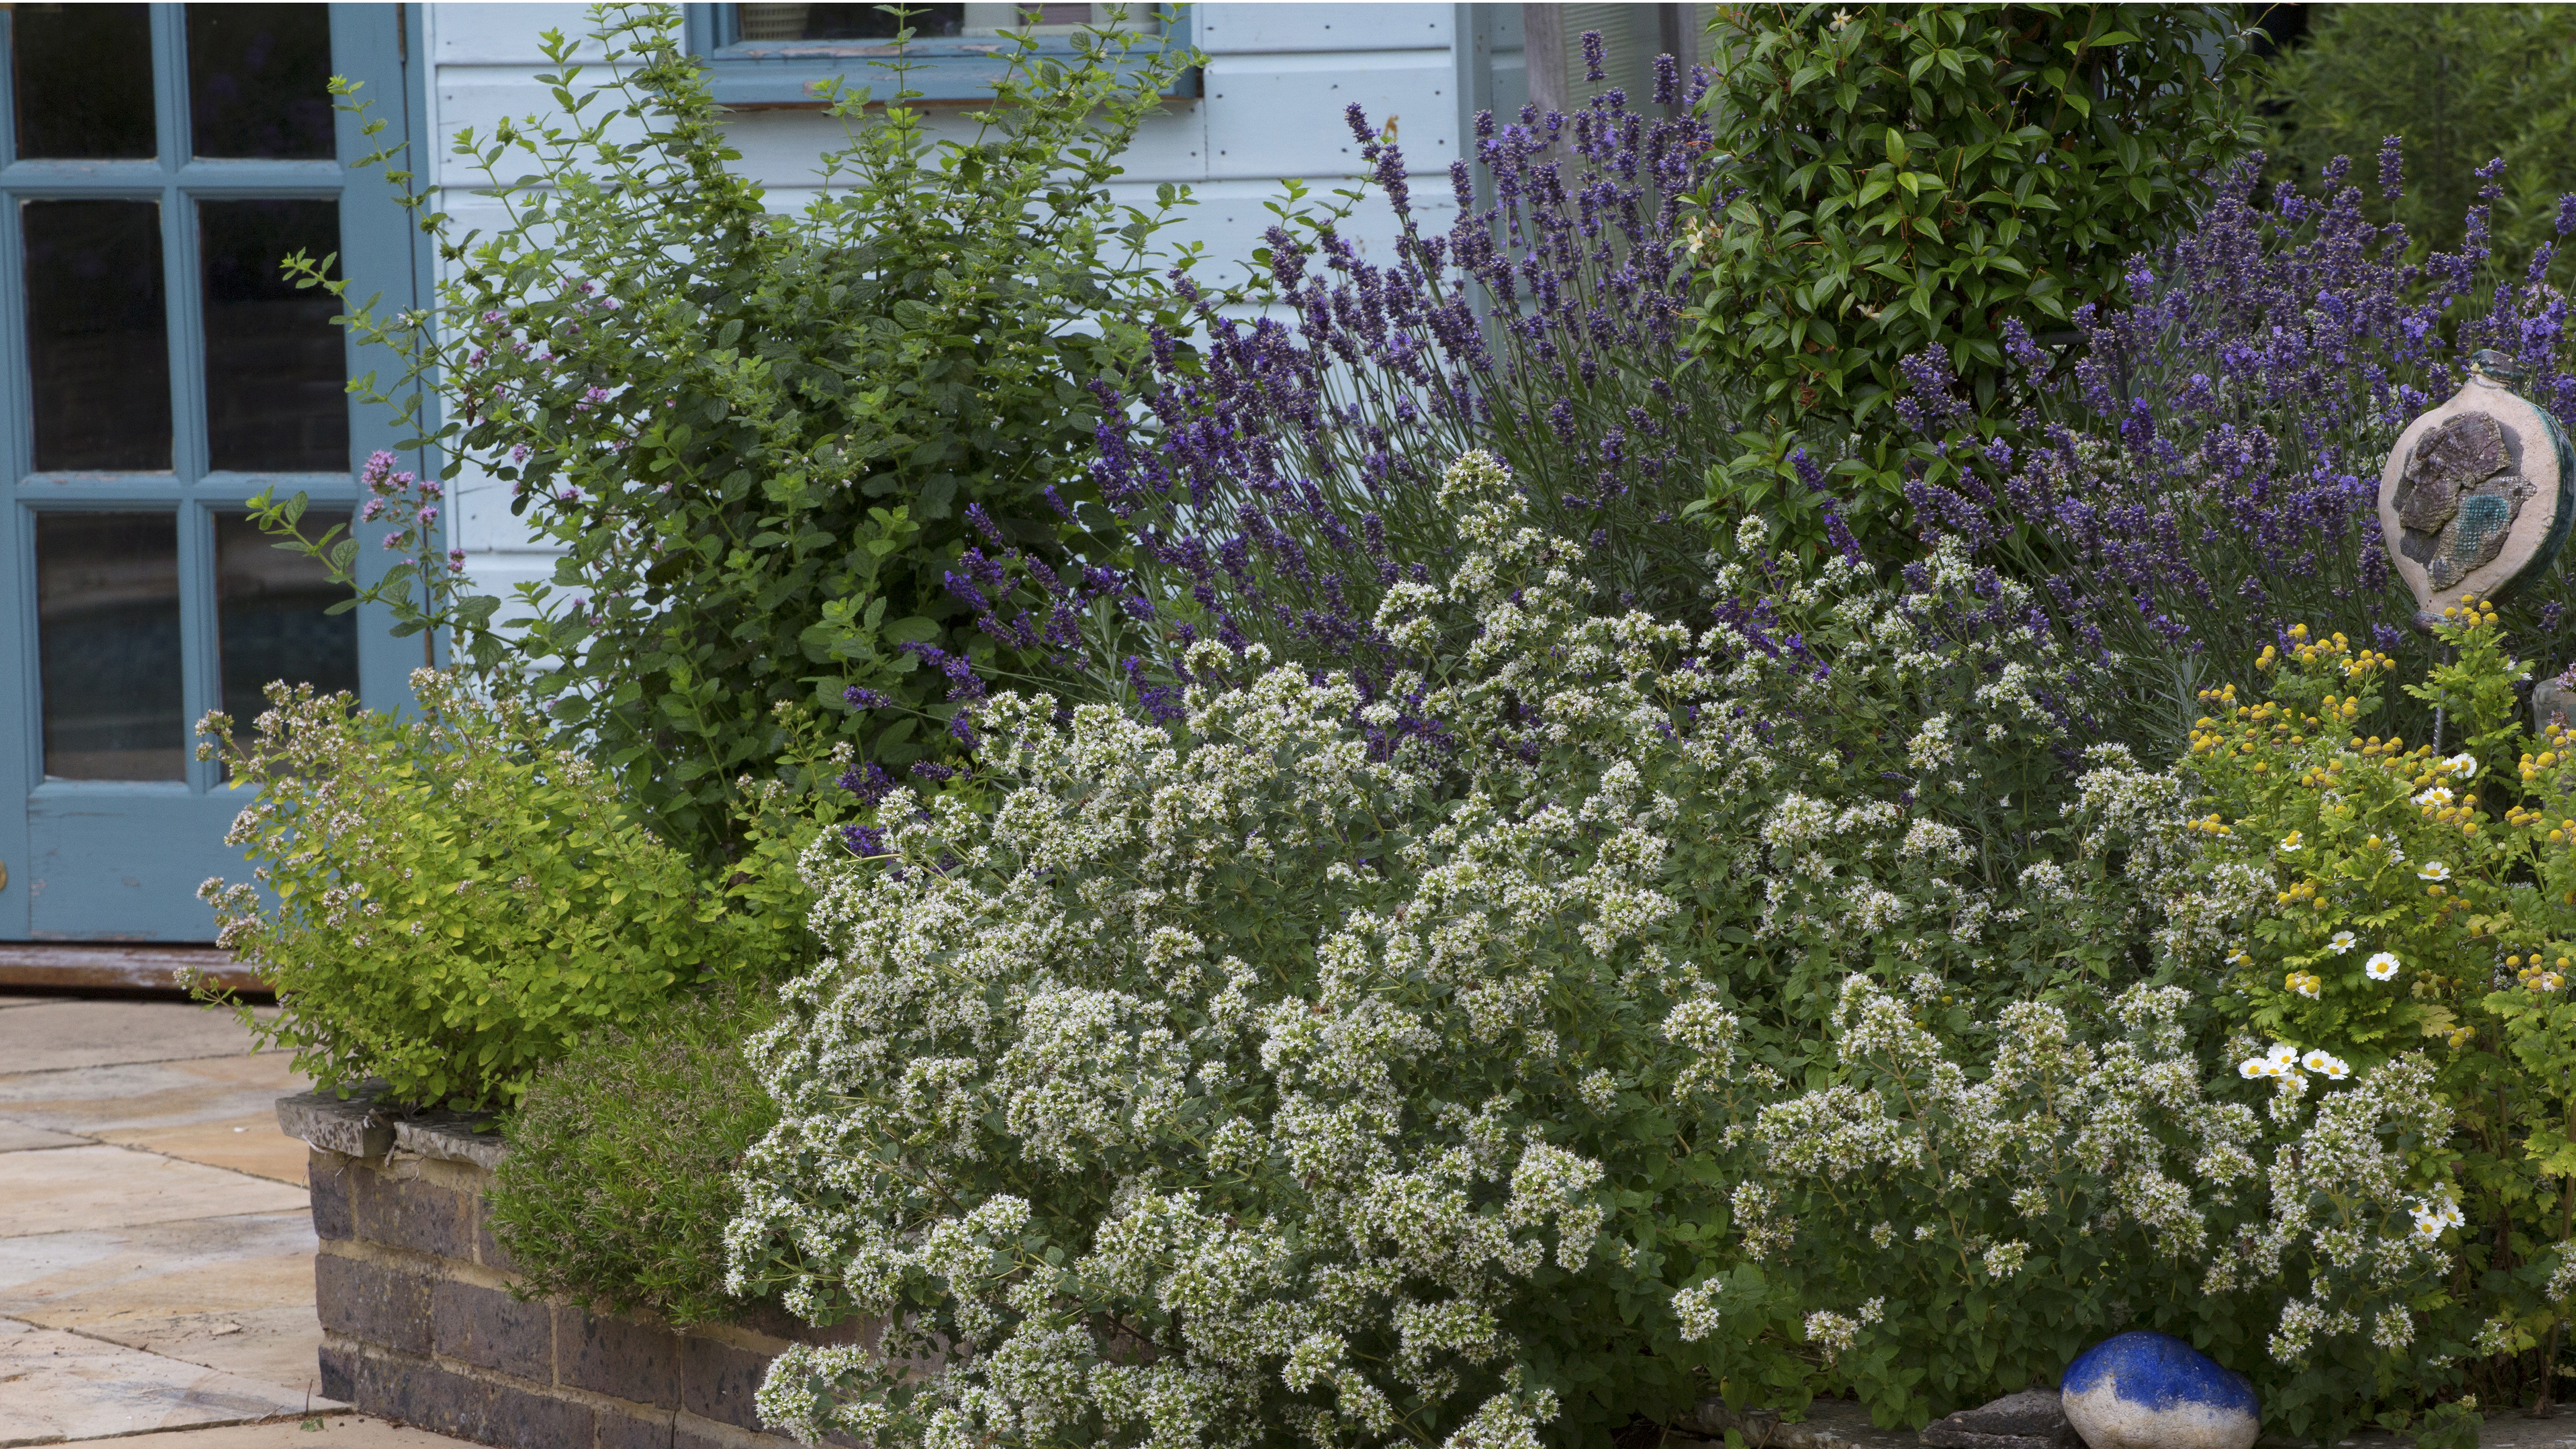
(1280, 480)
(2205, 474)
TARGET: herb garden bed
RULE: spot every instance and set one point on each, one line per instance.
(419, 1324)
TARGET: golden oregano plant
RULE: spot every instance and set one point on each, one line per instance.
(448, 901)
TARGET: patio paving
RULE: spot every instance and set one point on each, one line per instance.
(156, 1242)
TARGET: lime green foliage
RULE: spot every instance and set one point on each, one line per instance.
(2463, 84)
(760, 438)
(619, 1180)
(2401, 901)
(1917, 175)
(448, 901)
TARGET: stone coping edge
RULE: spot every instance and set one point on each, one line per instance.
(363, 1125)
(1830, 1424)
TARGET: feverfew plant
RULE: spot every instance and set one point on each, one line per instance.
(2392, 904)
(1258, 1072)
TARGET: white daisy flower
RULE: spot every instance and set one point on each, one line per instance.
(2381, 967)
(2343, 941)
(2434, 796)
(2240, 957)
(2253, 1067)
(2462, 764)
(2281, 1054)
(2433, 870)
(2326, 1064)
(2294, 841)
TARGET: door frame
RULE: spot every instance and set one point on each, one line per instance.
(382, 256)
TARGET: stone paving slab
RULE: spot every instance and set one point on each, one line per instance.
(19, 1137)
(57, 1386)
(52, 1035)
(111, 1187)
(234, 1294)
(156, 1242)
(121, 1095)
(302, 1431)
(219, 1111)
(249, 1145)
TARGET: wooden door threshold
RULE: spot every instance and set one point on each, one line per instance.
(118, 967)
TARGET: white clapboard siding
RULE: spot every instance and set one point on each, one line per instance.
(1278, 80)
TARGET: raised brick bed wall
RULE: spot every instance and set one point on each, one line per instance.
(419, 1325)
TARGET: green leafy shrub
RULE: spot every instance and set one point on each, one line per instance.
(1236, 1077)
(2463, 84)
(448, 902)
(761, 438)
(1916, 176)
(618, 1184)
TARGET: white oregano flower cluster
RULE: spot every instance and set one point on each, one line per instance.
(1224, 1080)
(2102, 1159)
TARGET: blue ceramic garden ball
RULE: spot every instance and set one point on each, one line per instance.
(2154, 1391)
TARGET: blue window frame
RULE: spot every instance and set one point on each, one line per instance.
(155, 374)
(786, 55)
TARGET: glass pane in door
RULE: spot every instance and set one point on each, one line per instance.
(83, 81)
(276, 378)
(259, 81)
(97, 338)
(107, 632)
(271, 605)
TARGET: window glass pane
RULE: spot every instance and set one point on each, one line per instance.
(276, 375)
(107, 627)
(83, 78)
(269, 603)
(769, 24)
(97, 339)
(259, 81)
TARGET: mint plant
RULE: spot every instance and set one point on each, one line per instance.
(761, 439)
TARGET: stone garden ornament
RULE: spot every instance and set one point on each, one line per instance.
(2478, 493)
(2145, 1390)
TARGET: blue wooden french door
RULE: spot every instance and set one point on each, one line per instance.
(156, 164)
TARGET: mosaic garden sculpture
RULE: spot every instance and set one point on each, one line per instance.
(2478, 492)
